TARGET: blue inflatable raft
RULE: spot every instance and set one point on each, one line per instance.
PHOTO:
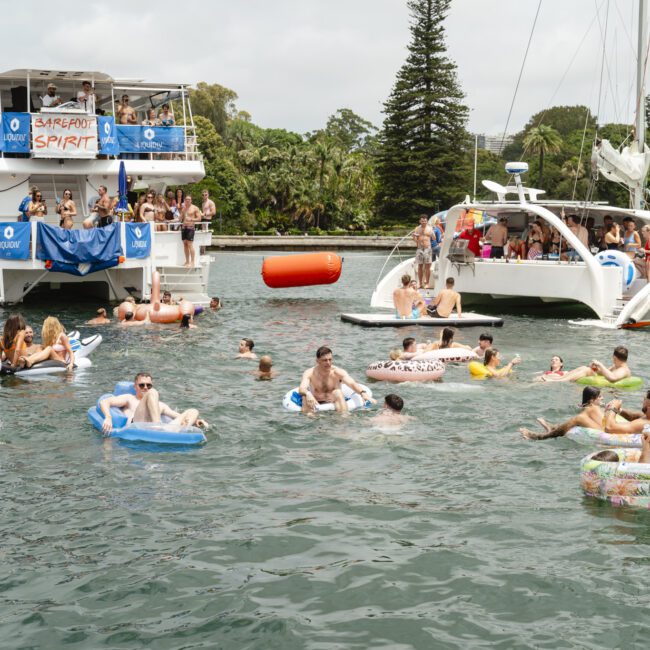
(141, 431)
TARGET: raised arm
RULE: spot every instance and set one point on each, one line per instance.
(20, 344)
(612, 426)
(609, 374)
(68, 348)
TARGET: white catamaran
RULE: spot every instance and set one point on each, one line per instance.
(609, 285)
(73, 142)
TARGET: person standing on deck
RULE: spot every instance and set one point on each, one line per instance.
(422, 236)
(473, 235)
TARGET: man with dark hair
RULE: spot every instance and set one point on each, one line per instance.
(322, 384)
(445, 302)
(100, 319)
(391, 414)
(422, 236)
(100, 215)
(617, 371)
(246, 349)
(145, 406)
(484, 342)
(407, 300)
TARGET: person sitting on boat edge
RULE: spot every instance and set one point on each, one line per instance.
(407, 301)
(635, 421)
(591, 417)
(445, 302)
(145, 407)
(321, 384)
(490, 366)
(617, 371)
(485, 341)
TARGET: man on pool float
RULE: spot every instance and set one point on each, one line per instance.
(617, 371)
(145, 406)
(636, 422)
(322, 384)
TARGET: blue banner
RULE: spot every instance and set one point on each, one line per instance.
(15, 132)
(78, 251)
(138, 240)
(14, 240)
(151, 139)
(108, 143)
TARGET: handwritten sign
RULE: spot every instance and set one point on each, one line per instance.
(64, 135)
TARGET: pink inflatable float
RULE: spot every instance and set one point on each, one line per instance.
(448, 355)
(412, 370)
(158, 311)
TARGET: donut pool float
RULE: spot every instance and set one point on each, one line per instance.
(402, 370)
(448, 355)
(585, 436)
(293, 400)
(601, 382)
(625, 482)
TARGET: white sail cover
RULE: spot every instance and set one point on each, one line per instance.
(629, 166)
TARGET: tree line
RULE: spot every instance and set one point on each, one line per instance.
(351, 176)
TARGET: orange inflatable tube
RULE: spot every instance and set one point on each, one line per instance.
(301, 270)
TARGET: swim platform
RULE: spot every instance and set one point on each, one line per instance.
(388, 319)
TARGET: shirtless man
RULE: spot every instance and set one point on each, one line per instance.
(86, 97)
(208, 207)
(322, 384)
(422, 236)
(265, 368)
(484, 342)
(497, 235)
(145, 406)
(635, 421)
(129, 320)
(391, 414)
(618, 370)
(100, 213)
(190, 216)
(246, 349)
(100, 319)
(29, 346)
(445, 302)
(408, 302)
(125, 113)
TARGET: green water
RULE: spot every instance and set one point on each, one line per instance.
(290, 532)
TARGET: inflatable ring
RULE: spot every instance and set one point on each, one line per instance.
(601, 382)
(402, 370)
(622, 483)
(620, 259)
(141, 431)
(293, 400)
(585, 436)
(447, 355)
(477, 370)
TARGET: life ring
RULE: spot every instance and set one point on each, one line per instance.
(625, 482)
(600, 381)
(620, 259)
(402, 370)
(477, 370)
(585, 436)
(447, 355)
(293, 400)
(142, 431)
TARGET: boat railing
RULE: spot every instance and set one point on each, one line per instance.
(394, 250)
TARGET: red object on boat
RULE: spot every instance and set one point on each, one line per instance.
(301, 270)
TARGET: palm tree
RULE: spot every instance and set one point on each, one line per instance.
(542, 139)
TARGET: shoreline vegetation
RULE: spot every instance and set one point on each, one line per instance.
(352, 177)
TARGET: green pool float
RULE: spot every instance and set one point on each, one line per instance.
(601, 382)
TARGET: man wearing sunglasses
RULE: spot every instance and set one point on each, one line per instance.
(145, 406)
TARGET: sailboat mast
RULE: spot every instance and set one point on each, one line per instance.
(640, 90)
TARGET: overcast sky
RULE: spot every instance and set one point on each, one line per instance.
(294, 62)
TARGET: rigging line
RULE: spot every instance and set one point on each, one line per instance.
(521, 71)
(582, 144)
(602, 65)
(6, 189)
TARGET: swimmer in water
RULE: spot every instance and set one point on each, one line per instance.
(556, 369)
(129, 320)
(265, 369)
(484, 342)
(186, 322)
(391, 413)
(491, 364)
(321, 384)
(100, 319)
(246, 349)
(447, 341)
(591, 417)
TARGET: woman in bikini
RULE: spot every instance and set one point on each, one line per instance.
(148, 209)
(591, 417)
(66, 210)
(56, 346)
(555, 370)
(447, 341)
(535, 241)
(612, 236)
(161, 208)
(12, 343)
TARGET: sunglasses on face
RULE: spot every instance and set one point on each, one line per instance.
(145, 385)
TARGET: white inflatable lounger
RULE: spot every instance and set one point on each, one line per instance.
(388, 319)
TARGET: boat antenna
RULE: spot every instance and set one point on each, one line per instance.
(521, 72)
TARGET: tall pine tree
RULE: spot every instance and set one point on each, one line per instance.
(422, 158)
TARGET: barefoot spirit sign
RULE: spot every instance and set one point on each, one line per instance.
(64, 135)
